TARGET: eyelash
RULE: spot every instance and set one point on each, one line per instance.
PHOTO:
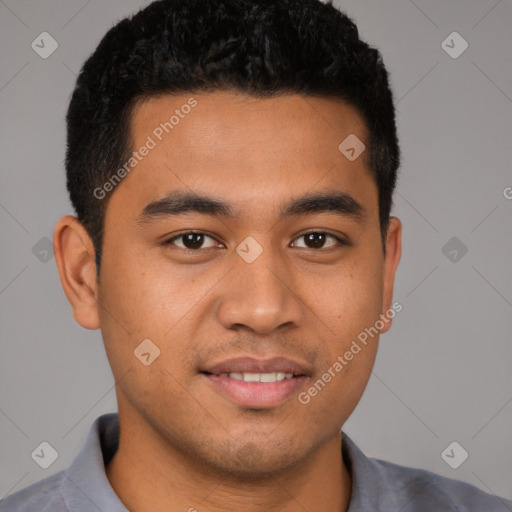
(340, 241)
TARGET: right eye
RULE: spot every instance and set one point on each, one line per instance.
(191, 240)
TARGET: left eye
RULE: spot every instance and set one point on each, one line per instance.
(316, 240)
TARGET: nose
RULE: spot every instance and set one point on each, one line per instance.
(260, 296)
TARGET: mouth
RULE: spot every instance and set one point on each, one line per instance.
(256, 377)
(253, 383)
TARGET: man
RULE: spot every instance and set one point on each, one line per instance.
(232, 165)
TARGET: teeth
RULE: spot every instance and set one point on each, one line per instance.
(258, 377)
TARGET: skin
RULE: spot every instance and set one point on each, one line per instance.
(183, 446)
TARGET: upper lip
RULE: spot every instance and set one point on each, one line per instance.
(253, 365)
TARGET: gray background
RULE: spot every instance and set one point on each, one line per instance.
(443, 372)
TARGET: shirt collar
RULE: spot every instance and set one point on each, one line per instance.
(371, 489)
(86, 486)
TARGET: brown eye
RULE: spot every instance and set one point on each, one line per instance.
(191, 241)
(317, 239)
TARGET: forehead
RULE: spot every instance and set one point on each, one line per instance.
(247, 149)
(236, 120)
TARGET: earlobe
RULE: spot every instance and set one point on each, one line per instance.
(393, 254)
(74, 255)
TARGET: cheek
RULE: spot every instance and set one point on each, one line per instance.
(349, 299)
(350, 304)
(143, 299)
(140, 302)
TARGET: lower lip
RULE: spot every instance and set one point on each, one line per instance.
(256, 394)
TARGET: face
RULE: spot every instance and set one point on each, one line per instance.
(285, 261)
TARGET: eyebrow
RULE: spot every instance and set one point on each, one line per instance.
(179, 202)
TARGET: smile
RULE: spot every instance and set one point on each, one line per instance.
(256, 390)
(258, 377)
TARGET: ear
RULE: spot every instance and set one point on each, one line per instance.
(393, 254)
(74, 255)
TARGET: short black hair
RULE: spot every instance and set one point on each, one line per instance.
(263, 48)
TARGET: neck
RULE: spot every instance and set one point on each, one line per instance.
(148, 474)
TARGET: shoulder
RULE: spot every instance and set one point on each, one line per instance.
(420, 490)
(42, 496)
(71, 489)
(382, 485)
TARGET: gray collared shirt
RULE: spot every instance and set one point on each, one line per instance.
(377, 485)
